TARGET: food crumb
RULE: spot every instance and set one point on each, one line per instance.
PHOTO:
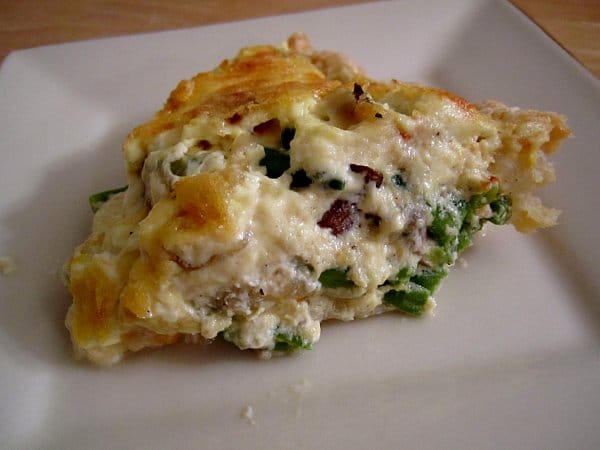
(265, 355)
(248, 414)
(7, 265)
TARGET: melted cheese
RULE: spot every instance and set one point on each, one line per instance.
(204, 241)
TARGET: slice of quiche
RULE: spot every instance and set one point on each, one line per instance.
(285, 188)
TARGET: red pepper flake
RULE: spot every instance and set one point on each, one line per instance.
(404, 134)
(492, 180)
(340, 217)
(370, 174)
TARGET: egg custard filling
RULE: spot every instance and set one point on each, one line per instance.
(285, 188)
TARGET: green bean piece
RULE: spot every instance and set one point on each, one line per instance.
(399, 180)
(501, 209)
(336, 278)
(300, 179)
(336, 184)
(98, 199)
(179, 167)
(430, 279)
(275, 161)
(288, 342)
(411, 301)
(401, 277)
(287, 135)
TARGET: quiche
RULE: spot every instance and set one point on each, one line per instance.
(285, 188)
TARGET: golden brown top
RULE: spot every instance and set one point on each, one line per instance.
(258, 77)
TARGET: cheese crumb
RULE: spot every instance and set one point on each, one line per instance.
(7, 265)
(248, 414)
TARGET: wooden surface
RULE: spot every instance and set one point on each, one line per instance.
(574, 24)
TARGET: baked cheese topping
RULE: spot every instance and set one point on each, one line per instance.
(285, 188)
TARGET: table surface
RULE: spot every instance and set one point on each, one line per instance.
(574, 24)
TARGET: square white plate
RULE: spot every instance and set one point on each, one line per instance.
(511, 359)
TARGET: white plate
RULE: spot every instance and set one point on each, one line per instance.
(510, 359)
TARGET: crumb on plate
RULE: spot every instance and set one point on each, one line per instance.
(7, 265)
(248, 414)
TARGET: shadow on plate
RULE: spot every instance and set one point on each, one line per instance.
(584, 293)
(41, 234)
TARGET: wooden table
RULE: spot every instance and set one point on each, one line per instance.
(574, 24)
